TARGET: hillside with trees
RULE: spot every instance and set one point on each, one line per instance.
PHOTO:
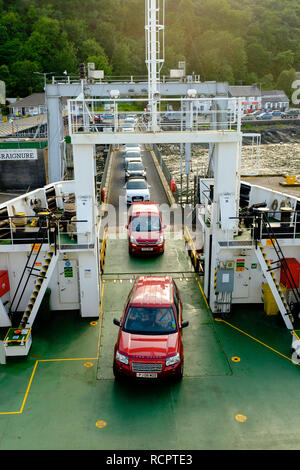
(238, 41)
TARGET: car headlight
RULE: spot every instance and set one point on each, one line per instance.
(122, 358)
(170, 361)
(161, 239)
(132, 239)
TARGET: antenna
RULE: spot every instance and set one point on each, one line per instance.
(154, 32)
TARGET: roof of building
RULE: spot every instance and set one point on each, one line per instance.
(36, 99)
(271, 95)
(244, 90)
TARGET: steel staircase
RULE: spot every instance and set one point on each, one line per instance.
(274, 284)
(289, 310)
(31, 259)
(39, 290)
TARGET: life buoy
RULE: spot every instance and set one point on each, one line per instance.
(274, 205)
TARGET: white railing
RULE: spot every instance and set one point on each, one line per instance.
(192, 114)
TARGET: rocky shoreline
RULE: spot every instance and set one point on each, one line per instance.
(278, 154)
(277, 134)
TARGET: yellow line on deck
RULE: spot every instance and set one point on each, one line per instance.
(60, 360)
(244, 333)
(255, 339)
(203, 295)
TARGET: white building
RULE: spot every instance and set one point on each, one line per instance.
(250, 95)
(275, 99)
(32, 105)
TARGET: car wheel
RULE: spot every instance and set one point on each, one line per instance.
(118, 376)
(179, 375)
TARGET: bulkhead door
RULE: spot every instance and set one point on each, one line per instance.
(68, 281)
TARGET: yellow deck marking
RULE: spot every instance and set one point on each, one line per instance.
(235, 359)
(203, 295)
(241, 418)
(255, 339)
(101, 423)
(87, 364)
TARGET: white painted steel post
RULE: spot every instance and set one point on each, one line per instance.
(55, 137)
(86, 210)
(226, 164)
(2, 353)
(153, 28)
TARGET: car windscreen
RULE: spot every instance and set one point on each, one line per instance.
(150, 321)
(132, 154)
(135, 166)
(146, 224)
(137, 184)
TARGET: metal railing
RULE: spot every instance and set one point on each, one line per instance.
(11, 234)
(165, 171)
(123, 79)
(62, 233)
(192, 115)
(68, 237)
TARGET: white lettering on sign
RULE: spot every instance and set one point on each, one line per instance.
(18, 154)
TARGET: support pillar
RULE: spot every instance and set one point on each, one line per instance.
(55, 138)
(223, 222)
(86, 210)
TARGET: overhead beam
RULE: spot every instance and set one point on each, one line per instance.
(131, 90)
(111, 138)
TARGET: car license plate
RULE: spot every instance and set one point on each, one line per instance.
(146, 375)
(147, 249)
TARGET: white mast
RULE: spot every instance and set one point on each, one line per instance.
(154, 26)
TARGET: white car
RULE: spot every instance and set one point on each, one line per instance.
(127, 127)
(131, 119)
(137, 189)
(133, 147)
(132, 155)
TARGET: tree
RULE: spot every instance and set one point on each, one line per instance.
(23, 79)
(267, 82)
(285, 80)
(259, 59)
(101, 63)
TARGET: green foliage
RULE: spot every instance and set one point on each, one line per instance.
(285, 80)
(227, 40)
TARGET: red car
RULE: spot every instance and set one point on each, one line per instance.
(149, 344)
(145, 230)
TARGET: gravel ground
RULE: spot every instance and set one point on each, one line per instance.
(271, 159)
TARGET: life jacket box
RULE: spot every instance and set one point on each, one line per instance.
(294, 269)
(4, 283)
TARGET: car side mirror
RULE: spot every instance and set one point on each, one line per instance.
(116, 322)
(126, 226)
(184, 324)
(164, 226)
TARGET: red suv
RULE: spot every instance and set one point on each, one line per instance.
(149, 343)
(145, 230)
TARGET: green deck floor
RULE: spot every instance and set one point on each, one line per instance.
(60, 397)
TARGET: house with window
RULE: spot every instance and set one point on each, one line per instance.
(32, 105)
(250, 96)
(275, 99)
